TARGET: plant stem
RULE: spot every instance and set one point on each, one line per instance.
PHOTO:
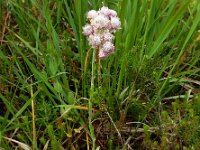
(91, 99)
(33, 121)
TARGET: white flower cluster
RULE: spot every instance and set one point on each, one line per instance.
(99, 30)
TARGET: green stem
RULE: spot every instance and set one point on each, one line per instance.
(91, 99)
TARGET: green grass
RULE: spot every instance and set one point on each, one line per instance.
(54, 95)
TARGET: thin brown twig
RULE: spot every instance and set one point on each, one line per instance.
(87, 140)
(4, 27)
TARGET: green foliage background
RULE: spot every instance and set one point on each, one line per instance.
(145, 96)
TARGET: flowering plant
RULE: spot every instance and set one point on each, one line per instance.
(99, 31)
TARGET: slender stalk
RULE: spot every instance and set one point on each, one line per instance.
(91, 99)
(33, 121)
(98, 69)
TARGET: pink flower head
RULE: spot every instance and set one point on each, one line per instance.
(92, 14)
(113, 13)
(94, 40)
(115, 23)
(105, 10)
(99, 31)
(107, 36)
(87, 30)
(108, 12)
(108, 47)
(106, 50)
(100, 22)
(103, 54)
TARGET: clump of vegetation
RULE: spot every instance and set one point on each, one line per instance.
(56, 94)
